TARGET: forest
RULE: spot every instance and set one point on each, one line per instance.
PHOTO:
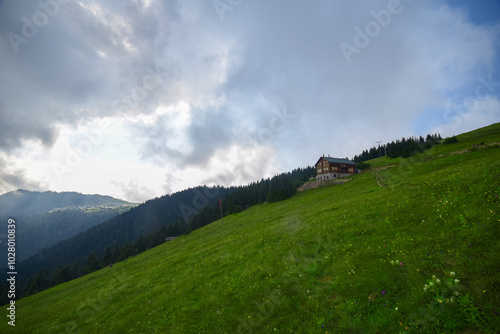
(144, 227)
(404, 148)
(40, 231)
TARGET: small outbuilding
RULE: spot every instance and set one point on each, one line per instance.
(328, 168)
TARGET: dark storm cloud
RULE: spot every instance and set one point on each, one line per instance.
(74, 66)
(15, 130)
(13, 177)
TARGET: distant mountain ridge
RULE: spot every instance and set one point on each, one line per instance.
(47, 218)
(28, 203)
(166, 211)
(148, 225)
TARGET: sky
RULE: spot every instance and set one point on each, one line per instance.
(141, 98)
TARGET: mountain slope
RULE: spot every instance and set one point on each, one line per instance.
(121, 229)
(27, 203)
(416, 251)
(46, 218)
(45, 230)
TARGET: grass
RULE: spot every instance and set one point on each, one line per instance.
(351, 258)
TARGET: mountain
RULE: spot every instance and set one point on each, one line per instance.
(409, 245)
(28, 203)
(170, 210)
(44, 219)
(168, 216)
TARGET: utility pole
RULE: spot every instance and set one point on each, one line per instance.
(221, 216)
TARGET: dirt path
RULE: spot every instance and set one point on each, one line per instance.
(378, 177)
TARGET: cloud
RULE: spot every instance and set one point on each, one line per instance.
(473, 114)
(134, 192)
(74, 67)
(188, 84)
(12, 177)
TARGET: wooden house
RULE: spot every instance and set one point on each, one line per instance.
(328, 168)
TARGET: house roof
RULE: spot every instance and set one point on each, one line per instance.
(337, 161)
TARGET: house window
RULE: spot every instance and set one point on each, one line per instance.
(334, 175)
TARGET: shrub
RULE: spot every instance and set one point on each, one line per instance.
(450, 140)
(363, 165)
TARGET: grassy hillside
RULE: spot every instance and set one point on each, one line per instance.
(408, 248)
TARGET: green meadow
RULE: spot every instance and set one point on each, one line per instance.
(408, 246)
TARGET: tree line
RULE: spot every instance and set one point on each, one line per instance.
(404, 148)
(277, 188)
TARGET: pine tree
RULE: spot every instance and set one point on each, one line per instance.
(93, 263)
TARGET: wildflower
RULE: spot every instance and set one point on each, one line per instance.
(457, 281)
(456, 293)
(452, 274)
(438, 281)
(431, 284)
(396, 308)
(383, 292)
